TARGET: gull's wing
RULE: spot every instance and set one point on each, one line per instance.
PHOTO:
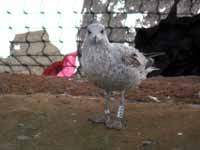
(130, 60)
(129, 55)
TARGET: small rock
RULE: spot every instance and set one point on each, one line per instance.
(154, 99)
(20, 125)
(74, 114)
(168, 97)
(148, 142)
(179, 133)
(139, 133)
(74, 121)
(23, 137)
(37, 135)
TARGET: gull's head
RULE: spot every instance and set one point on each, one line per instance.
(96, 33)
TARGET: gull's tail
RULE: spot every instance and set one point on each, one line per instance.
(153, 54)
(150, 61)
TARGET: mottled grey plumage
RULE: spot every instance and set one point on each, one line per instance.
(112, 67)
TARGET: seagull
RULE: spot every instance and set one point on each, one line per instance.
(112, 67)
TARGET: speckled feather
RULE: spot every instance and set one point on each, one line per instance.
(111, 66)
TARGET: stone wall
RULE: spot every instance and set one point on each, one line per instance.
(121, 17)
(124, 18)
(126, 21)
(30, 52)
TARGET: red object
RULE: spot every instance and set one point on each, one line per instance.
(69, 65)
(65, 68)
(53, 69)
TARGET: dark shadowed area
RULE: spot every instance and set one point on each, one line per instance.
(179, 38)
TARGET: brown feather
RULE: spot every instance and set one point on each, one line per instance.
(131, 60)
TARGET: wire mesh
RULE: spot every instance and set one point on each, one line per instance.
(61, 19)
(123, 16)
(32, 28)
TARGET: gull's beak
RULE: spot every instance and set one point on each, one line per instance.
(96, 38)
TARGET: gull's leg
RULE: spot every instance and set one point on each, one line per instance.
(107, 106)
(106, 116)
(120, 112)
(117, 123)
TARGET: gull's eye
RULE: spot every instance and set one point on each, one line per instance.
(102, 31)
(89, 32)
(134, 55)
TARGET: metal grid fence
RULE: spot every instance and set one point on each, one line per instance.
(32, 52)
(37, 33)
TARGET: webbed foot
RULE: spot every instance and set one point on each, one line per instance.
(114, 124)
(97, 119)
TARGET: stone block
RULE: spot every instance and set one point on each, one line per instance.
(118, 35)
(130, 36)
(38, 36)
(32, 36)
(116, 6)
(43, 60)
(56, 58)
(117, 20)
(151, 20)
(26, 60)
(165, 6)
(50, 49)
(150, 6)
(122, 35)
(103, 18)
(133, 5)
(195, 7)
(36, 48)
(87, 19)
(11, 61)
(87, 6)
(4, 69)
(99, 6)
(1, 61)
(183, 7)
(19, 49)
(20, 70)
(36, 70)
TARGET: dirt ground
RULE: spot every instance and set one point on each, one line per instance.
(50, 113)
